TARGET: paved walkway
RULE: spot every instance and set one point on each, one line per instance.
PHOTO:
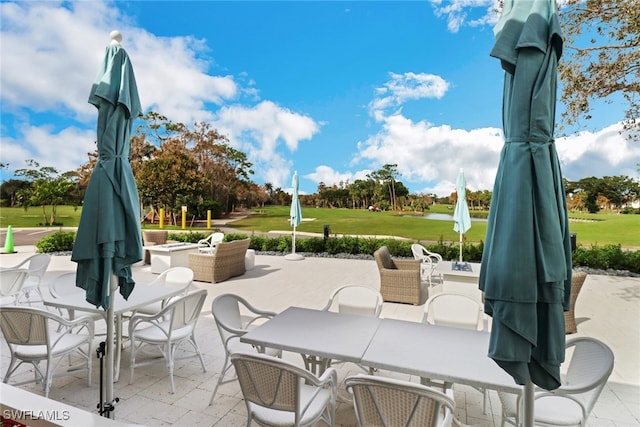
(608, 308)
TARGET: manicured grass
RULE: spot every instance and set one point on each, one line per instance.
(591, 229)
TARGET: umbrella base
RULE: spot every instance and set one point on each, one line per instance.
(293, 257)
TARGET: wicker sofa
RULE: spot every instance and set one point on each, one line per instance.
(399, 279)
(226, 261)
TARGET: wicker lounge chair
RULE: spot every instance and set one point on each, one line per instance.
(577, 280)
(227, 261)
(153, 237)
(399, 279)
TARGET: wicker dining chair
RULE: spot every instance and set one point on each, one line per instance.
(234, 317)
(280, 394)
(380, 401)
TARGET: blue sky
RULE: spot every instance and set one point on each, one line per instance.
(331, 89)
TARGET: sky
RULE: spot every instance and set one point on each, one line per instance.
(331, 89)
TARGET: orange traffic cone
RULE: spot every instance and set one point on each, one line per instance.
(8, 242)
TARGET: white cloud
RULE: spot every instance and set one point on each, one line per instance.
(45, 147)
(427, 153)
(330, 177)
(406, 87)
(608, 152)
(457, 12)
(260, 131)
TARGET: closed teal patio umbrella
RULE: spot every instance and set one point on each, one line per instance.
(461, 217)
(295, 218)
(526, 262)
(109, 239)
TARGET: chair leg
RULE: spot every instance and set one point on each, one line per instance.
(198, 352)
(169, 359)
(132, 361)
(225, 368)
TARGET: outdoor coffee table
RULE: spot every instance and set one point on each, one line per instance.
(170, 255)
(450, 272)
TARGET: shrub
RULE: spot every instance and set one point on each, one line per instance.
(188, 237)
(312, 245)
(596, 257)
(234, 236)
(259, 243)
(60, 241)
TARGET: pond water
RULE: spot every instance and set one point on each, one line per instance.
(448, 217)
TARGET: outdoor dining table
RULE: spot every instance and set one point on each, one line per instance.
(323, 334)
(141, 296)
(441, 353)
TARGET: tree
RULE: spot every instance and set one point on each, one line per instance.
(171, 179)
(387, 176)
(601, 58)
(10, 189)
(47, 187)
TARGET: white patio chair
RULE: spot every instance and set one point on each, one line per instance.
(35, 335)
(175, 277)
(232, 324)
(355, 299)
(590, 365)
(430, 262)
(167, 330)
(381, 401)
(36, 265)
(278, 393)
(65, 284)
(208, 245)
(11, 282)
(457, 311)
(349, 299)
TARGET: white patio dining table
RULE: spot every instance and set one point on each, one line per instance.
(141, 296)
(324, 334)
(436, 352)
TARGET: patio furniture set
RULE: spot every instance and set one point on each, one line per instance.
(448, 347)
(355, 334)
(212, 259)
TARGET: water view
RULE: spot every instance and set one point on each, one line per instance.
(448, 217)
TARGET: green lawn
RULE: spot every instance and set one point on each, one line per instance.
(591, 229)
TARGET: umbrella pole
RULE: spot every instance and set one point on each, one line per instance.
(293, 256)
(293, 243)
(528, 404)
(107, 407)
(461, 248)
